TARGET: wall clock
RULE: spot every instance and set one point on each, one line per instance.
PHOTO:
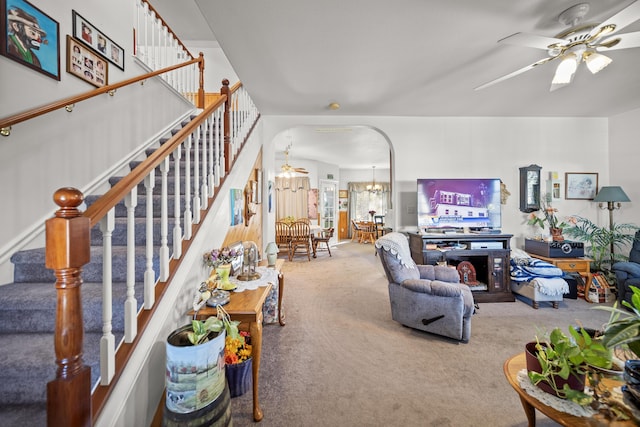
(530, 188)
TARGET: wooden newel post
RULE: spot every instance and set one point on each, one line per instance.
(224, 90)
(201, 82)
(67, 250)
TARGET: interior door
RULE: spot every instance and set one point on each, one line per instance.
(328, 201)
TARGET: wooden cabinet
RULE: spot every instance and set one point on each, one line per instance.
(487, 253)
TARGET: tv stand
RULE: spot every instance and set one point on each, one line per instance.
(488, 253)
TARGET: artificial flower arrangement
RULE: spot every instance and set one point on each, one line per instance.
(546, 215)
(217, 257)
(237, 347)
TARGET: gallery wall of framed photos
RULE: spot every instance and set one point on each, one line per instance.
(31, 37)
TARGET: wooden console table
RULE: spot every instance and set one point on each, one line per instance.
(581, 266)
(517, 363)
(246, 307)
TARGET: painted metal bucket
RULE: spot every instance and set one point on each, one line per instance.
(195, 374)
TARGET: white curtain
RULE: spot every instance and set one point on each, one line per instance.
(292, 197)
(362, 201)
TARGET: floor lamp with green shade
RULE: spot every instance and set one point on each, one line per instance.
(612, 196)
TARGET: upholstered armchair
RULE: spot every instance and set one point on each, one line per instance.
(425, 297)
(628, 272)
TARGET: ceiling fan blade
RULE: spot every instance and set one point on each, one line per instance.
(531, 40)
(300, 170)
(625, 41)
(515, 73)
(626, 16)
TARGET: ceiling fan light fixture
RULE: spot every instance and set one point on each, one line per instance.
(566, 69)
(596, 61)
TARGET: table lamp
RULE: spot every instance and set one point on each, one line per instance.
(612, 196)
(272, 253)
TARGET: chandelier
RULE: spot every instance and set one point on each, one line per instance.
(374, 188)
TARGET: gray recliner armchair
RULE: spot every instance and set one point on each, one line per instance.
(628, 272)
(425, 297)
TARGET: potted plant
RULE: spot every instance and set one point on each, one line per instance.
(547, 215)
(238, 363)
(599, 241)
(195, 376)
(623, 328)
(559, 360)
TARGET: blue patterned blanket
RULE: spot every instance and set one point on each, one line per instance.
(527, 269)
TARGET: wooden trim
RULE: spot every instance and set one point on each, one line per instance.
(57, 105)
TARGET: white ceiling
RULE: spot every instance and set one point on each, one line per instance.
(404, 58)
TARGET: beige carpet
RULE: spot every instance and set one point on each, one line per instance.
(341, 361)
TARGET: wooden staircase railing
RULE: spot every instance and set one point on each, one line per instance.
(219, 133)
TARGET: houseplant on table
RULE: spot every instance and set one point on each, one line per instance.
(599, 240)
(547, 215)
(560, 356)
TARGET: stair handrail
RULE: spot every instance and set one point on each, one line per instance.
(7, 122)
(115, 194)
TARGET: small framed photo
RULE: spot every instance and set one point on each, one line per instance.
(580, 185)
(84, 63)
(97, 40)
(30, 37)
(343, 194)
(259, 178)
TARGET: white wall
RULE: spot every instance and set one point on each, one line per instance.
(481, 147)
(624, 160)
(216, 64)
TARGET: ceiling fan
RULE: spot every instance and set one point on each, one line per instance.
(579, 43)
(286, 169)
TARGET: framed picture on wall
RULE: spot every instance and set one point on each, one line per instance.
(580, 185)
(97, 40)
(85, 64)
(343, 194)
(30, 37)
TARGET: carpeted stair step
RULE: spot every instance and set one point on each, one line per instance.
(119, 233)
(32, 306)
(157, 189)
(29, 265)
(141, 208)
(29, 364)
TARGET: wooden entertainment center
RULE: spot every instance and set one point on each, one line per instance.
(488, 254)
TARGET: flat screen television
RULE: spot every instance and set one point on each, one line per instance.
(446, 203)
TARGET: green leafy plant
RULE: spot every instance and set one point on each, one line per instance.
(203, 328)
(623, 327)
(545, 215)
(561, 356)
(599, 240)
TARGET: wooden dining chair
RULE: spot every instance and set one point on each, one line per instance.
(368, 232)
(322, 237)
(379, 221)
(283, 235)
(355, 231)
(300, 238)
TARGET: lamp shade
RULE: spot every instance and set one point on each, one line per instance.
(272, 253)
(611, 194)
(271, 248)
